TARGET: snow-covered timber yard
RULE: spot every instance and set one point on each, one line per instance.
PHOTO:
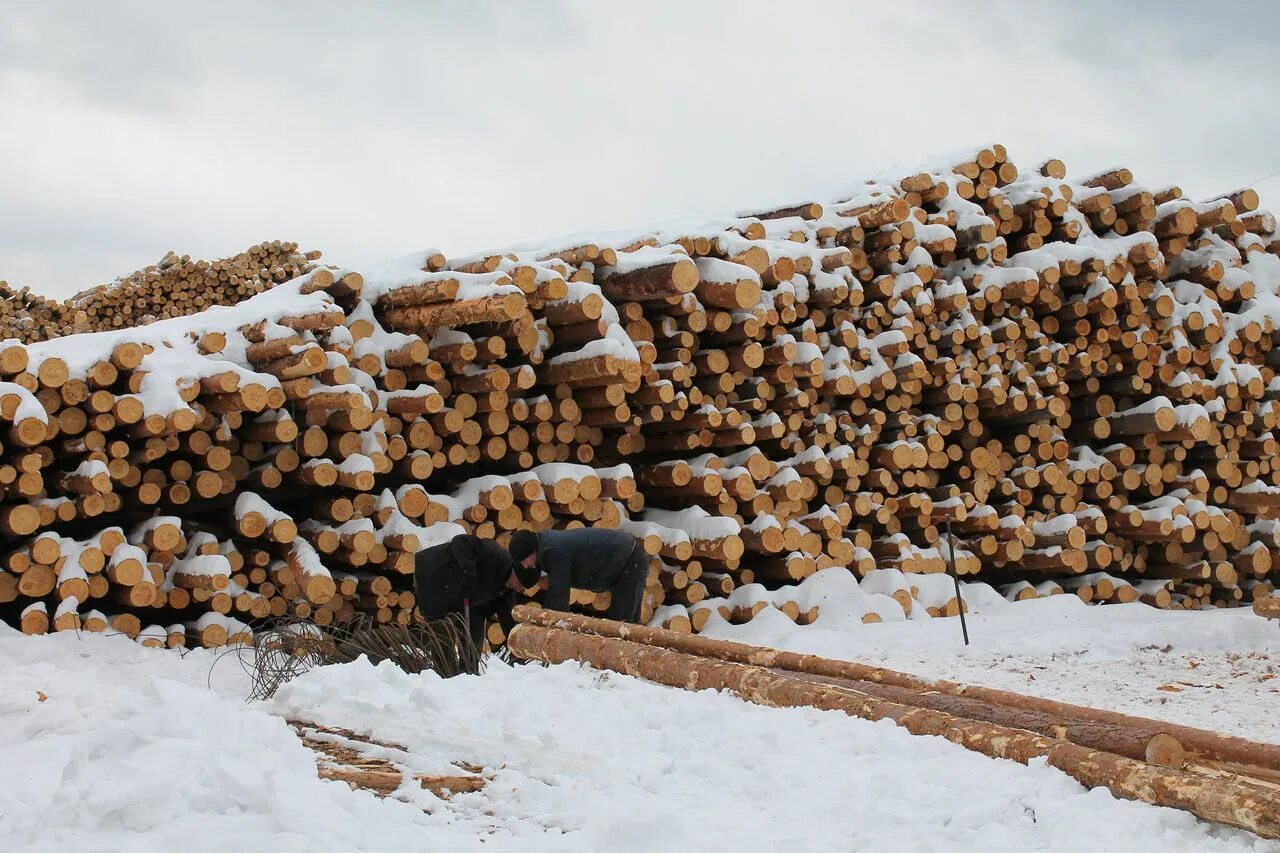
(787, 407)
(129, 749)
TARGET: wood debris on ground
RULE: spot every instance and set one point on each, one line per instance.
(345, 756)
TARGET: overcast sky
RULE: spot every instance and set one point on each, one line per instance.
(371, 129)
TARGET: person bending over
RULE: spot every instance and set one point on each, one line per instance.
(472, 576)
(591, 558)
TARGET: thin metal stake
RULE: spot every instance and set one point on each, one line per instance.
(955, 577)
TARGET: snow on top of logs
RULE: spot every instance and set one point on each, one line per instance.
(695, 521)
(1112, 178)
(841, 277)
(201, 565)
(127, 552)
(804, 210)
(553, 472)
(933, 590)
(749, 594)
(1265, 271)
(945, 161)
(199, 540)
(157, 635)
(407, 266)
(27, 406)
(356, 463)
(666, 613)
(705, 462)
(990, 275)
(71, 570)
(642, 258)
(969, 214)
(743, 458)
(142, 528)
(1034, 190)
(615, 343)
(381, 341)
(422, 390)
(1012, 522)
(885, 582)
(575, 248)
(620, 471)
(1258, 487)
(1083, 458)
(214, 619)
(716, 271)
(762, 522)
(641, 529)
(1057, 524)
(399, 524)
(69, 605)
(786, 474)
(250, 502)
(585, 291)
(283, 300)
(1111, 248)
(90, 468)
(1265, 530)
(469, 492)
(839, 453)
(1046, 258)
(438, 532)
(1171, 207)
(788, 227)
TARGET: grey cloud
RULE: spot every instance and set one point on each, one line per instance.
(143, 56)
(371, 129)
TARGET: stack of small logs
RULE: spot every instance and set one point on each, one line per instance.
(175, 286)
(1074, 375)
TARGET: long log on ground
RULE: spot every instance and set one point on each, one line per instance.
(1220, 800)
(1135, 737)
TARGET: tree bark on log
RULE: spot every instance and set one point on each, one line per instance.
(1222, 801)
(669, 278)
(1095, 727)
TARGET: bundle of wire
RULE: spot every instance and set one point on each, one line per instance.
(285, 649)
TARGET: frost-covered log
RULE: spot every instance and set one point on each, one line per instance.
(1073, 374)
(1227, 801)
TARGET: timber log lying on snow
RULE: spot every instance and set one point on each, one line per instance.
(1153, 741)
(1236, 799)
(1075, 374)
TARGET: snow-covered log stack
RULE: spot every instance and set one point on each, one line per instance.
(175, 286)
(1076, 375)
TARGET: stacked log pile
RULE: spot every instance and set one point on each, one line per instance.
(1074, 375)
(174, 286)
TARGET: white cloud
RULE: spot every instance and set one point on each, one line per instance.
(370, 130)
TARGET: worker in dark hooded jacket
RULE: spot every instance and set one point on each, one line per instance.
(471, 576)
(591, 558)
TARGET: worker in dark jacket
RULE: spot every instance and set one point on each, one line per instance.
(472, 576)
(591, 558)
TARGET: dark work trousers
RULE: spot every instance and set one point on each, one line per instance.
(627, 592)
(480, 613)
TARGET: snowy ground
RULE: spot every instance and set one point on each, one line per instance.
(108, 746)
(1216, 669)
